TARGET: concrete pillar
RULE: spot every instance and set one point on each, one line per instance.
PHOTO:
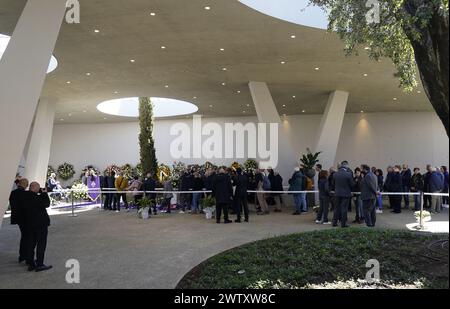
(22, 73)
(267, 113)
(330, 128)
(38, 153)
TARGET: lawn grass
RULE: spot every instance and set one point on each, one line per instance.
(334, 258)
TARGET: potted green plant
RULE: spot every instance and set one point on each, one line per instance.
(426, 216)
(144, 205)
(309, 161)
(208, 205)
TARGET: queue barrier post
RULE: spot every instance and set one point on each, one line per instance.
(73, 215)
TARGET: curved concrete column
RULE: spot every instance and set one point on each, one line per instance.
(22, 73)
(267, 113)
(330, 128)
(38, 153)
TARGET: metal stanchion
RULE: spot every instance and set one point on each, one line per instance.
(73, 206)
(421, 211)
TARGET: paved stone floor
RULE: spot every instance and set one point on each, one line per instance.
(121, 251)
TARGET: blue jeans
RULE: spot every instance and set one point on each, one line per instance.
(417, 202)
(300, 202)
(406, 197)
(195, 200)
(380, 202)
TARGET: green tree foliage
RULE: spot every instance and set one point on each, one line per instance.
(149, 162)
(409, 32)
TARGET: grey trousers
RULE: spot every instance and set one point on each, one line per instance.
(370, 215)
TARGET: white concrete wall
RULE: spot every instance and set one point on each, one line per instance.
(378, 139)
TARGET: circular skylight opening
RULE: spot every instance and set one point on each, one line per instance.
(162, 107)
(4, 41)
(293, 11)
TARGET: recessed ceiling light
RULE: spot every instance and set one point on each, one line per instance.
(116, 92)
(365, 74)
(303, 111)
(194, 98)
(362, 112)
(317, 69)
(222, 49)
(224, 69)
(167, 86)
(294, 96)
(248, 105)
(68, 82)
(96, 31)
(419, 92)
(132, 61)
(88, 74)
(224, 84)
(163, 47)
(152, 14)
(293, 36)
(211, 106)
(238, 91)
(207, 8)
(244, 112)
(283, 62)
(395, 99)
(284, 105)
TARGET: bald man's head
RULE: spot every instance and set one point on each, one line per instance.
(35, 187)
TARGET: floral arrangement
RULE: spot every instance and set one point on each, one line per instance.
(426, 216)
(127, 171)
(50, 170)
(80, 191)
(163, 173)
(66, 171)
(235, 165)
(251, 165)
(113, 168)
(177, 170)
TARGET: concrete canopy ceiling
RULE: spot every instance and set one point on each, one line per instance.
(191, 65)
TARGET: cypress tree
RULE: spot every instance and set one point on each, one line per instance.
(147, 144)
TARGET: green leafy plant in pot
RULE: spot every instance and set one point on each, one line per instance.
(309, 161)
(144, 205)
(208, 204)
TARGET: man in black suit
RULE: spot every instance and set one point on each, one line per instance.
(241, 195)
(369, 192)
(16, 201)
(343, 183)
(222, 191)
(38, 221)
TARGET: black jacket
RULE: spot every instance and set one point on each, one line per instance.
(241, 183)
(16, 201)
(406, 178)
(222, 188)
(276, 183)
(417, 183)
(395, 183)
(186, 182)
(36, 210)
(150, 185)
(344, 183)
(324, 188)
(197, 184)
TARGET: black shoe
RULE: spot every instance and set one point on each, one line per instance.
(296, 213)
(246, 220)
(228, 221)
(31, 267)
(218, 222)
(20, 259)
(43, 268)
(238, 221)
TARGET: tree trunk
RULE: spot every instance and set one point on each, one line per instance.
(431, 53)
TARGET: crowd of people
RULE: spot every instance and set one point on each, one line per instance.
(339, 189)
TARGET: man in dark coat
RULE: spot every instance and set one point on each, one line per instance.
(406, 183)
(110, 187)
(395, 186)
(16, 201)
(150, 186)
(343, 182)
(240, 194)
(369, 191)
(222, 192)
(38, 221)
